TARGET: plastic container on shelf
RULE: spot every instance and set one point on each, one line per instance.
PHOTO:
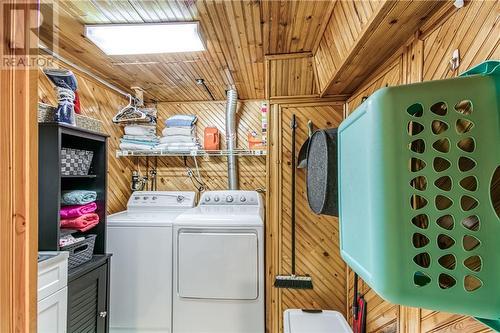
(80, 252)
(417, 215)
(75, 162)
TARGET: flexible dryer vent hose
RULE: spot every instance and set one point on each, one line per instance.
(232, 164)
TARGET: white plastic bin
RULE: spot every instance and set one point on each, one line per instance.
(299, 321)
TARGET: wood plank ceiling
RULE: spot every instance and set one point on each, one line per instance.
(237, 33)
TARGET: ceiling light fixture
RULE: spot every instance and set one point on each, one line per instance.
(147, 38)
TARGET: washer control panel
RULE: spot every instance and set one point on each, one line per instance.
(160, 200)
(233, 198)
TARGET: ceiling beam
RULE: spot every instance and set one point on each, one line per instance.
(388, 27)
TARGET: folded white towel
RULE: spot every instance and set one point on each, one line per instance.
(190, 117)
(179, 148)
(141, 137)
(140, 130)
(134, 146)
(183, 120)
(177, 138)
(178, 144)
(186, 131)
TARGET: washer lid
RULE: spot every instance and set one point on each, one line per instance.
(143, 219)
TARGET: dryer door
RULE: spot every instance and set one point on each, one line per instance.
(217, 264)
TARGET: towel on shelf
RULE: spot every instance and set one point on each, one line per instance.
(140, 142)
(178, 139)
(178, 149)
(135, 146)
(181, 131)
(140, 130)
(81, 223)
(147, 138)
(181, 146)
(78, 197)
(181, 120)
(67, 212)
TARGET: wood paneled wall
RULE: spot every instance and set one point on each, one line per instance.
(361, 35)
(102, 103)
(348, 20)
(294, 26)
(290, 75)
(317, 236)
(99, 102)
(474, 30)
(252, 169)
(18, 173)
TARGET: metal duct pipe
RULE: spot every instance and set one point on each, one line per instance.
(232, 164)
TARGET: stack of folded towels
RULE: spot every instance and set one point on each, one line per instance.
(179, 134)
(78, 210)
(139, 137)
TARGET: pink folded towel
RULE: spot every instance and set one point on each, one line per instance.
(77, 210)
(81, 223)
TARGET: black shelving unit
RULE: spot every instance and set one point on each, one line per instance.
(53, 137)
(93, 275)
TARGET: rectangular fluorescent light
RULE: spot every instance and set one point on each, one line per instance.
(147, 38)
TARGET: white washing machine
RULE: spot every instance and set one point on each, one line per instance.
(219, 265)
(140, 240)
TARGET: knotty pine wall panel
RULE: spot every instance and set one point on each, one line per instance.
(100, 102)
(293, 26)
(292, 76)
(252, 169)
(474, 30)
(348, 20)
(317, 245)
(18, 175)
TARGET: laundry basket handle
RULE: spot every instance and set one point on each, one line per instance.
(485, 68)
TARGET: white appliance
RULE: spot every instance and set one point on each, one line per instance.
(52, 292)
(140, 240)
(219, 265)
(303, 321)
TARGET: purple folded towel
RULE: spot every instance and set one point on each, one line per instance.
(77, 210)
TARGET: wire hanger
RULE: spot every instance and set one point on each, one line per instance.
(130, 113)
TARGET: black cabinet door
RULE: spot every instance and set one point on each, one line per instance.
(87, 302)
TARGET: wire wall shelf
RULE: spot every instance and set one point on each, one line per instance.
(201, 153)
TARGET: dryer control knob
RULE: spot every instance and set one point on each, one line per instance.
(229, 198)
(216, 198)
(207, 199)
(243, 199)
(146, 198)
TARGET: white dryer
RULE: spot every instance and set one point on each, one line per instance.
(140, 240)
(219, 265)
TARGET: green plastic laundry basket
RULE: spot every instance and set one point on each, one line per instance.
(417, 220)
